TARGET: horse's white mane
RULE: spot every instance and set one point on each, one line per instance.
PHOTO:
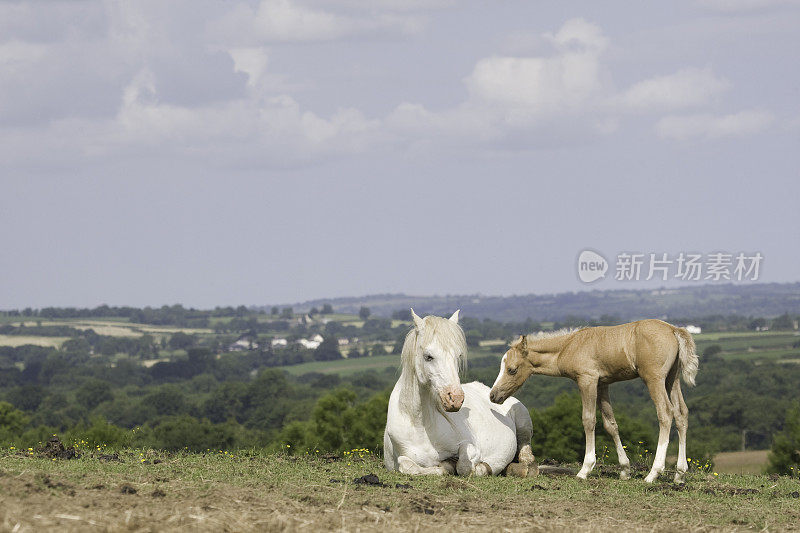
(447, 332)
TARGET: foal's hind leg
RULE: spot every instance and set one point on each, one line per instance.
(658, 392)
(610, 423)
(588, 388)
(681, 414)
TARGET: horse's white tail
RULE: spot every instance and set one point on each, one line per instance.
(687, 355)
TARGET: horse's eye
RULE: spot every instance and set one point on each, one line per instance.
(428, 357)
(512, 371)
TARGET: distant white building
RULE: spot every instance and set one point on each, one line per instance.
(694, 330)
(317, 338)
(279, 343)
(310, 344)
(242, 345)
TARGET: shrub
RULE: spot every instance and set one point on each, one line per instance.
(784, 458)
(98, 433)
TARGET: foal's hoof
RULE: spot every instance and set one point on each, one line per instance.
(624, 475)
(651, 477)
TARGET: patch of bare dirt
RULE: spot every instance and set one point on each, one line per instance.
(729, 491)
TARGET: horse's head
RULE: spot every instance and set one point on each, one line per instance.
(437, 351)
(515, 368)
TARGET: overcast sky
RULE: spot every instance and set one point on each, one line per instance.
(215, 153)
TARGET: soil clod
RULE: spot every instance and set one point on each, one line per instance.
(423, 506)
(127, 489)
(369, 479)
(55, 449)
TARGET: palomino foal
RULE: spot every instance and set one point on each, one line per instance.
(595, 357)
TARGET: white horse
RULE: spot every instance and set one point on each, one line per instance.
(436, 426)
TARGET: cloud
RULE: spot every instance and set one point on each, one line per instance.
(688, 87)
(563, 81)
(742, 6)
(389, 5)
(149, 86)
(286, 21)
(706, 126)
(250, 61)
(578, 35)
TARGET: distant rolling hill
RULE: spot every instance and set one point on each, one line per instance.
(760, 300)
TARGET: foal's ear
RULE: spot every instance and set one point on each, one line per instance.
(454, 317)
(417, 320)
(523, 342)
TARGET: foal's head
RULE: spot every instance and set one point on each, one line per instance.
(435, 349)
(515, 368)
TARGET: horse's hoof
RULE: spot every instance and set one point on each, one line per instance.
(624, 475)
(679, 478)
(483, 469)
(582, 476)
(517, 470)
(526, 456)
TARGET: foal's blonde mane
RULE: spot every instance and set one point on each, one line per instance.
(447, 332)
(541, 335)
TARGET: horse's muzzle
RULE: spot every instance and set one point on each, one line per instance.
(495, 397)
(452, 398)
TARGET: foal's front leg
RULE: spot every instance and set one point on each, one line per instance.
(588, 387)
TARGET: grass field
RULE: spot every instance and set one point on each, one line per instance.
(766, 345)
(21, 340)
(346, 366)
(115, 327)
(154, 491)
(748, 462)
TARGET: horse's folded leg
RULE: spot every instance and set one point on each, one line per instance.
(449, 466)
(406, 465)
(468, 459)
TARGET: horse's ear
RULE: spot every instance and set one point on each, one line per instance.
(454, 317)
(417, 320)
(523, 342)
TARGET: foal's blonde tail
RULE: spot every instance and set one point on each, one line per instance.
(687, 355)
